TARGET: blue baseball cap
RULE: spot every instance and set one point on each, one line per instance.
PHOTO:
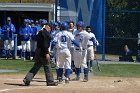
(8, 19)
(32, 21)
(25, 20)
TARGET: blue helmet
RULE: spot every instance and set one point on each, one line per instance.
(40, 20)
(80, 23)
(32, 21)
(52, 22)
(55, 24)
(36, 21)
(64, 26)
(28, 21)
(44, 22)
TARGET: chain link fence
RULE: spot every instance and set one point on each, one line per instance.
(122, 26)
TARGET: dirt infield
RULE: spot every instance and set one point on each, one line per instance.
(13, 84)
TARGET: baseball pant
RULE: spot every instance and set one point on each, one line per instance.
(90, 56)
(26, 46)
(64, 58)
(33, 45)
(64, 61)
(9, 44)
(80, 58)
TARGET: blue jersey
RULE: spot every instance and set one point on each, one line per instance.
(53, 33)
(8, 30)
(38, 27)
(25, 32)
(34, 33)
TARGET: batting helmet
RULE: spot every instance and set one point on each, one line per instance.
(44, 22)
(80, 23)
(52, 22)
(64, 26)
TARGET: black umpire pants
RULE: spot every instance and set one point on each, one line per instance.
(39, 62)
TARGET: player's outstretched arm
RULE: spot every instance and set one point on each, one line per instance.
(75, 43)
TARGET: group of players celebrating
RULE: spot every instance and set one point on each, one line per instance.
(73, 48)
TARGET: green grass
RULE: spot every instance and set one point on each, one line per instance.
(20, 65)
(117, 70)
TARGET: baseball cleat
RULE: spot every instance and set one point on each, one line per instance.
(85, 80)
(67, 81)
(60, 80)
(26, 83)
(52, 83)
(76, 79)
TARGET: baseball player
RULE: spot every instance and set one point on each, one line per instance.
(8, 31)
(72, 30)
(38, 25)
(34, 33)
(55, 30)
(63, 41)
(80, 54)
(25, 33)
(90, 49)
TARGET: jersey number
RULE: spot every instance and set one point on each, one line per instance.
(63, 39)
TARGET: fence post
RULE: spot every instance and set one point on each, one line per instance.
(15, 46)
(56, 4)
(103, 28)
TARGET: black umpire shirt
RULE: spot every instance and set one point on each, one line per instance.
(43, 42)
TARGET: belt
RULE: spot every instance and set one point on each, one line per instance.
(89, 45)
(79, 49)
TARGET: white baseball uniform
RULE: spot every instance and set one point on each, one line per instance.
(72, 46)
(25, 46)
(80, 56)
(63, 41)
(9, 44)
(90, 47)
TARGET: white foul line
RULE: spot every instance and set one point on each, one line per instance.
(4, 90)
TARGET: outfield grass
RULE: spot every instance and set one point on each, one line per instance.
(116, 70)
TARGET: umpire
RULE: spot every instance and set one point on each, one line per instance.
(42, 57)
